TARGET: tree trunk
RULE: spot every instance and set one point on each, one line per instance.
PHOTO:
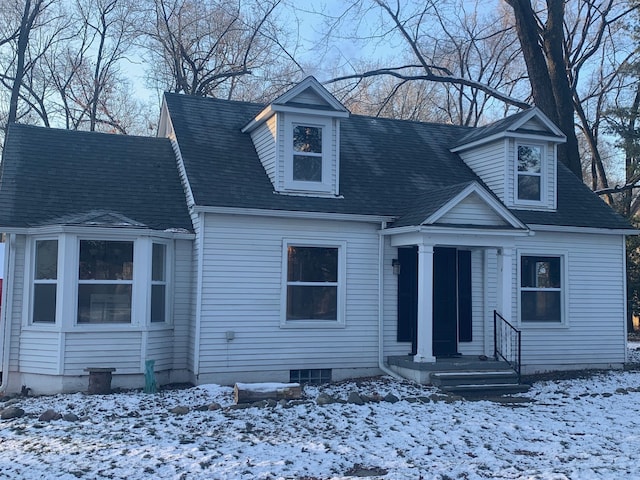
(546, 65)
(23, 40)
(252, 392)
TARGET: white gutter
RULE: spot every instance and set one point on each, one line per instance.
(381, 363)
(570, 229)
(199, 280)
(7, 304)
(292, 214)
(439, 229)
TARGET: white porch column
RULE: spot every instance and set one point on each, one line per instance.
(424, 351)
(505, 282)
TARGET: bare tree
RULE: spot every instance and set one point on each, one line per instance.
(86, 70)
(209, 47)
(452, 39)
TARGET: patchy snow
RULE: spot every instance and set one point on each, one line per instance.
(572, 429)
(633, 349)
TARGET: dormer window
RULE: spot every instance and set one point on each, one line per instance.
(297, 138)
(307, 153)
(529, 183)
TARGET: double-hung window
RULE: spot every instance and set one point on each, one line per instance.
(308, 158)
(307, 153)
(529, 181)
(45, 281)
(541, 289)
(313, 283)
(159, 283)
(105, 281)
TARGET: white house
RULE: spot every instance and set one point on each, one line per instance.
(296, 241)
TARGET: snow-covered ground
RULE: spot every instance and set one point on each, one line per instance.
(572, 429)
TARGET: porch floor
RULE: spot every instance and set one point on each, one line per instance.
(448, 364)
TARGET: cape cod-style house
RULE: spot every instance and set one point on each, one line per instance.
(296, 241)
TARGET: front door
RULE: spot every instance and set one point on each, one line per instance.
(451, 299)
(445, 301)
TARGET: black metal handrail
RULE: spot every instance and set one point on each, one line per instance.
(507, 343)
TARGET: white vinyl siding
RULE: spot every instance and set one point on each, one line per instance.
(160, 348)
(478, 318)
(242, 294)
(121, 350)
(391, 344)
(183, 304)
(594, 290)
(20, 299)
(40, 352)
(264, 141)
(489, 163)
(472, 211)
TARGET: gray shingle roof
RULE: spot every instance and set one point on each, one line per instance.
(384, 163)
(387, 167)
(502, 125)
(393, 168)
(52, 176)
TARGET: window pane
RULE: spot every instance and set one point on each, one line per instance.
(540, 272)
(528, 187)
(529, 158)
(157, 262)
(46, 259)
(312, 264)
(104, 303)
(106, 260)
(312, 303)
(158, 303)
(541, 306)
(307, 169)
(307, 139)
(44, 303)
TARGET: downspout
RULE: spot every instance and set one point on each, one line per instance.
(7, 306)
(381, 363)
(196, 340)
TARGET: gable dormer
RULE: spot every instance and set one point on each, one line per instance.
(517, 158)
(297, 138)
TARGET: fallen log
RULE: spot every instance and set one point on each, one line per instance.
(255, 392)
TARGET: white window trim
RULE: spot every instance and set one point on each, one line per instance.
(326, 124)
(543, 175)
(564, 288)
(341, 290)
(29, 291)
(168, 289)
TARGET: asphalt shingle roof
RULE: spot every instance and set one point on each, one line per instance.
(387, 167)
(394, 168)
(52, 176)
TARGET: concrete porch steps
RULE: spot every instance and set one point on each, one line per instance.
(479, 383)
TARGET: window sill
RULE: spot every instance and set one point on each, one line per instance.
(311, 324)
(543, 326)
